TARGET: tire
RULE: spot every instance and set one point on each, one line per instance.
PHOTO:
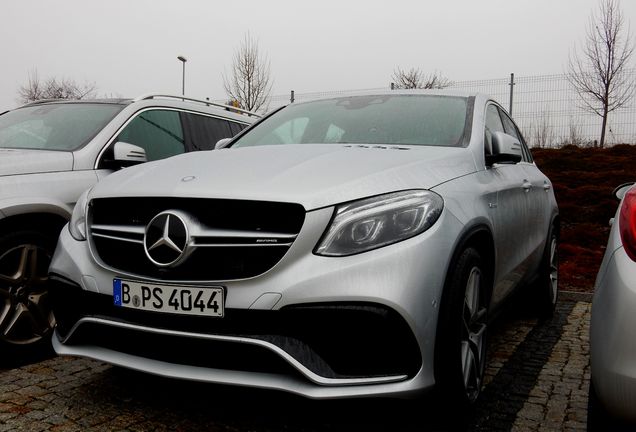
(461, 345)
(26, 320)
(600, 419)
(546, 288)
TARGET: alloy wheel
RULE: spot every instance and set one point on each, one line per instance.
(25, 316)
(473, 341)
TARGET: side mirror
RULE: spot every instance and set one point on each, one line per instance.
(620, 191)
(222, 143)
(505, 149)
(125, 154)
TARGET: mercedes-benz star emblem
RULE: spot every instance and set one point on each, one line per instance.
(166, 239)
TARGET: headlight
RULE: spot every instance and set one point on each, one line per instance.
(371, 223)
(77, 225)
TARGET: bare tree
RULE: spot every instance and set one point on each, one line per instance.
(249, 82)
(598, 71)
(414, 78)
(52, 88)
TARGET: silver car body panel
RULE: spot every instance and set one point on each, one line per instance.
(612, 347)
(16, 162)
(314, 176)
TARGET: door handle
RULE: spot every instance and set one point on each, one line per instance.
(546, 187)
(526, 185)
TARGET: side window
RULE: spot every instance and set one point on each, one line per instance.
(493, 124)
(203, 131)
(509, 126)
(511, 129)
(236, 127)
(159, 132)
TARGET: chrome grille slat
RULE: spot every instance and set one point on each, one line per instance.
(124, 239)
(131, 229)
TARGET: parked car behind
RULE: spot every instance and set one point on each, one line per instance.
(50, 152)
(613, 322)
(346, 247)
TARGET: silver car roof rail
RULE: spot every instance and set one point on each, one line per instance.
(206, 102)
(41, 101)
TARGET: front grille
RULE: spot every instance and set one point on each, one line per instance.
(231, 239)
(333, 340)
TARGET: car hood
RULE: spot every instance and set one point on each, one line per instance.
(314, 175)
(14, 161)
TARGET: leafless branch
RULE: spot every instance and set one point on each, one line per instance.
(52, 88)
(597, 72)
(414, 78)
(249, 82)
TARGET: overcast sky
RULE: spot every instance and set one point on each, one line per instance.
(130, 47)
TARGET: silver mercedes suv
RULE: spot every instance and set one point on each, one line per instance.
(355, 246)
(50, 152)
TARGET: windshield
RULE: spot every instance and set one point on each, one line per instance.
(66, 126)
(386, 119)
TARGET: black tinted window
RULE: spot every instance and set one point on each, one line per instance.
(236, 127)
(158, 132)
(203, 131)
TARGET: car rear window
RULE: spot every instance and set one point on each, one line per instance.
(66, 126)
(428, 120)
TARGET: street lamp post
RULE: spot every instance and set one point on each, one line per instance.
(183, 60)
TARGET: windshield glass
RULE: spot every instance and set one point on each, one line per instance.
(385, 119)
(66, 126)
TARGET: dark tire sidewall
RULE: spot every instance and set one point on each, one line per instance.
(546, 302)
(448, 368)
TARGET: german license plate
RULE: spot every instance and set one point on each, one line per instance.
(206, 301)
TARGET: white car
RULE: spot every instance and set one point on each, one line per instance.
(346, 247)
(613, 353)
(52, 151)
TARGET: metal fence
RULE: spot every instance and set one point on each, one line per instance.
(546, 108)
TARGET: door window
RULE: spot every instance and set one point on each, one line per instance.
(511, 129)
(493, 124)
(159, 132)
(203, 132)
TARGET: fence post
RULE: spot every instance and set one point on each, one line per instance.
(291, 98)
(512, 86)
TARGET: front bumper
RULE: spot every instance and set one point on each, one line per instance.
(320, 327)
(612, 343)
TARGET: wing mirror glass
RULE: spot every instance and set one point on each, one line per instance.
(505, 149)
(222, 143)
(125, 154)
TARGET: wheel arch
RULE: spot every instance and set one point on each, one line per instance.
(43, 221)
(481, 238)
